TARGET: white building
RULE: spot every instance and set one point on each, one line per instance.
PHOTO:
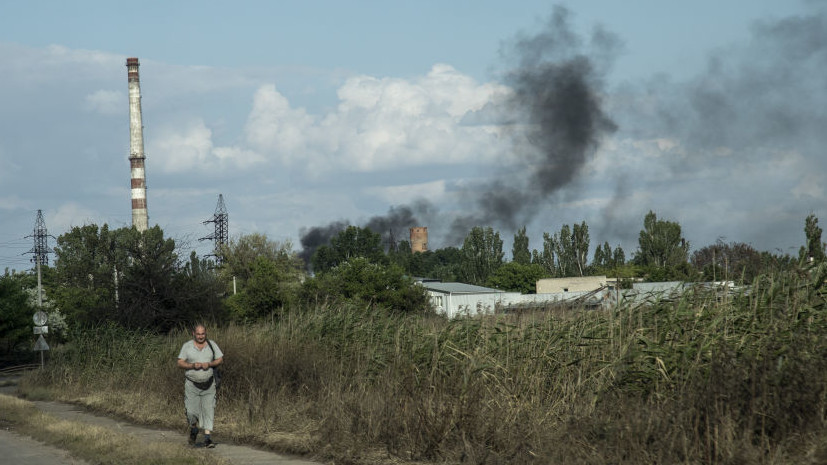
(454, 299)
(459, 299)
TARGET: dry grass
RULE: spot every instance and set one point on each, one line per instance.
(707, 378)
(95, 444)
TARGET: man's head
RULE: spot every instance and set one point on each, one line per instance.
(199, 333)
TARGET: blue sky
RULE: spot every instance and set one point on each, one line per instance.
(307, 113)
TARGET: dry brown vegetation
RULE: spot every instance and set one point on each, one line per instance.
(708, 378)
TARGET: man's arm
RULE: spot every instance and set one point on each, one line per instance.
(215, 362)
(188, 366)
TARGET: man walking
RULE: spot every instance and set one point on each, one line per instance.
(198, 357)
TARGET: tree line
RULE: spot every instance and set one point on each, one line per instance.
(140, 280)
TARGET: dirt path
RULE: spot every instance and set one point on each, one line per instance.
(18, 449)
(11, 442)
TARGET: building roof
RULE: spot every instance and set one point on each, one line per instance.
(458, 288)
(666, 286)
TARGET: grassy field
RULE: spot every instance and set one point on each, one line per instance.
(707, 378)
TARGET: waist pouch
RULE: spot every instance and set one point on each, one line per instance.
(203, 385)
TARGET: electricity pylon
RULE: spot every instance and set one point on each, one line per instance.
(221, 236)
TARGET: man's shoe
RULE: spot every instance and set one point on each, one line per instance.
(209, 444)
(193, 436)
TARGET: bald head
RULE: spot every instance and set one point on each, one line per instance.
(199, 333)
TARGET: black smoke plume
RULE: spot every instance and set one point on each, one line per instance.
(556, 121)
(557, 102)
(398, 221)
(757, 106)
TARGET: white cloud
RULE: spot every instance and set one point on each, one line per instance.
(191, 149)
(106, 102)
(188, 149)
(434, 191)
(810, 185)
(8, 167)
(70, 214)
(13, 202)
(275, 128)
(56, 65)
(237, 156)
(380, 124)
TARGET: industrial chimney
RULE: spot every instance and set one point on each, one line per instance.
(140, 218)
(419, 239)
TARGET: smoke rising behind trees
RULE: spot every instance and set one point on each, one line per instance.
(555, 121)
(754, 116)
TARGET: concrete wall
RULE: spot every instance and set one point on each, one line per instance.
(453, 305)
(471, 304)
(572, 284)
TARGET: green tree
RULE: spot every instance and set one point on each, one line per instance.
(519, 250)
(735, 261)
(546, 258)
(89, 262)
(445, 264)
(268, 288)
(198, 289)
(147, 290)
(516, 277)
(661, 244)
(362, 282)
(15, 312)
(606, 258)
(442, 264)
(580, 247)
(774, 263)
(814, 250)
(599, 261)
(351, 243)
(482, 254)
(130, 277)
(565, 252)
(239, 260)
(402, 255)
(618, 257)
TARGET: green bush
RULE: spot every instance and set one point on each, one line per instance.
(360, 282)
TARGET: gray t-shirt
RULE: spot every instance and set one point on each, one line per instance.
(191, 354)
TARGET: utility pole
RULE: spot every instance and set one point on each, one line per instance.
(40, 251)
(221, 235)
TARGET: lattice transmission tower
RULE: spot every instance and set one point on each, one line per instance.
(40, 250)
(221, 236)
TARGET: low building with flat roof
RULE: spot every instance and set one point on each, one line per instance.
(455, 299)
(571, 284)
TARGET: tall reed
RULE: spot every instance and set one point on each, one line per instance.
(710, 377)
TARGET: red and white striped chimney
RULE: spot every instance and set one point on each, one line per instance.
(140, 218)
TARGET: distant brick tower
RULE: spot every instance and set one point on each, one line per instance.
(419, 239)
